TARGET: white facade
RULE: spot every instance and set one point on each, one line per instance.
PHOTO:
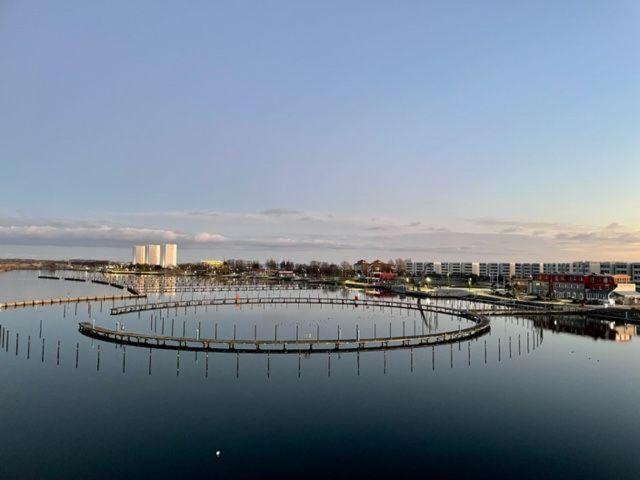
(523, 269)
(615, 268)
(495, 269)
(527, 270)
(585, 268)
(139, 255)
(154, 256)
(634, 272)
(556, 268)
(170, 255)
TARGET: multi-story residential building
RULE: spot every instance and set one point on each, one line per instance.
(556, 268)
(497, 270)
(470, 268)
(442, 268)
(615, 268)
(154, 255)
(506, 270)
(139, 255)
(488, 270)
(634, 272)
(528, 270)
(572, 286)
(585, 268)
(169, 255)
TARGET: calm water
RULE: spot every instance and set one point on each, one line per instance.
(567, 408)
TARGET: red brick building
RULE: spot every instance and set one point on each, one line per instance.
(572, 287)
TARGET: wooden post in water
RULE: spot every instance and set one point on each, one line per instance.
(411, 354)
(384, 368)
(268, 365)
(433, 358)
(451, 354)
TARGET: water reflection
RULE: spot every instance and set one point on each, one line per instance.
(415, 358)
(583, 326)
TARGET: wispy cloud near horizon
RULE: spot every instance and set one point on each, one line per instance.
(299, 235)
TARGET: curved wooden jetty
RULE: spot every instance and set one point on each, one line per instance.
(317, 345)
(533, 312)
(352, 302)
(226, 288)
(53, 301)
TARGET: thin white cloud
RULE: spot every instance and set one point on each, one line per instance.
(329, 236)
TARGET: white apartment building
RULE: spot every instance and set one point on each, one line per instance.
(422, 268)
(585, 268)
(615, 268)
(139, 255)
(169, 255)
(634, 272)
(523, 269)
(527, 270)
(556, 268)
(154, 255)
(497, 269)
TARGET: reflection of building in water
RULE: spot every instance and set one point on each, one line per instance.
(168, 286)
(596, 329)
(624, 332)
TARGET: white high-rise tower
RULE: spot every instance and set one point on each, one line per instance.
(139, 255)
(154, 256)
(170, 255)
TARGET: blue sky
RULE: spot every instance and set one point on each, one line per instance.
(332, 130)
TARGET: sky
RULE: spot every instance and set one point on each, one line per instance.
(452, 130)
